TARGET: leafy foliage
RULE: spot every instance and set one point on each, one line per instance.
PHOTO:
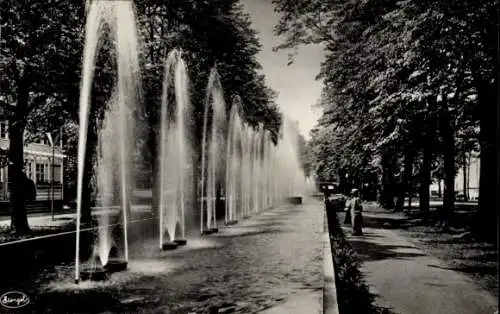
(400, 77)
(42, 45)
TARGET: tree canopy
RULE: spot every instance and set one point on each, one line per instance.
(408, 86)
(41, 59)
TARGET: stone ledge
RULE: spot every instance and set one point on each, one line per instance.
(330, 304)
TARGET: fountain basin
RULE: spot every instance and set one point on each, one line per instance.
(231, 222)
(207, 232)
(93, 274)
(115, 265)
(167, 246)
(295, 200)
(180, 242)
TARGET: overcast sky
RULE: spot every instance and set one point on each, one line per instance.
(296, 85)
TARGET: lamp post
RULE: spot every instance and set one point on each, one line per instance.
(53, 146)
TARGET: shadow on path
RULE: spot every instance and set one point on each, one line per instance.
(492, 270)
(369, 251)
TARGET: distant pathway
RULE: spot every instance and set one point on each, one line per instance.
(407, 281)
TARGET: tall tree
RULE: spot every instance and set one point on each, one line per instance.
(39, 40)
(384, 56)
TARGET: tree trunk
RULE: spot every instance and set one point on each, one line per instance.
(342, 182)
(405, 179)
(448, 162)
(410, 200)
(387, 191)
(400, 196)
(465, 176)
(19, 219)
(425, 176)
(155, 169)
(468, 175)
(488, 187)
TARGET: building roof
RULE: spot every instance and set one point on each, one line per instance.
(35, 149)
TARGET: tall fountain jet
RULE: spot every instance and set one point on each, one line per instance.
(212, 166)
(107, 168)
(246, 170)
(120, 17)
(256, 168)
(175, 152)
(233, 164)
(267, 169)
(291, 167)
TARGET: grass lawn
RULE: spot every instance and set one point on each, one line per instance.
(37, 230)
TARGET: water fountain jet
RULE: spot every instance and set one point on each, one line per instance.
(120, 17)
(211, 170)
(93, 270)
(115, 263)
(233, 156)
(174, 152)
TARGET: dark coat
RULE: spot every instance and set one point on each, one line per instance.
(30, 189)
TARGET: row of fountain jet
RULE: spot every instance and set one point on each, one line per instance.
(241, 165)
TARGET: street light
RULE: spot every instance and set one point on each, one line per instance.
(52, 144)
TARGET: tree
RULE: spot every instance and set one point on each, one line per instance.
(232, 48)
(36, 49)
(413, 62)
(349, 33)
(41, 59)
(305, 154)
(462, 45)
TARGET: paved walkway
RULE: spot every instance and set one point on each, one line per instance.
(407, 281)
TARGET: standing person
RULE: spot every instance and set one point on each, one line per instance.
(356, 210)
(353, 213)
(347, 219)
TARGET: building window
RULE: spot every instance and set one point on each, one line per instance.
(46, 174)
(4, 125)
(41, 173)
(57, 173)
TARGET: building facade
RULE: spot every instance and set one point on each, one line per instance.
(471, 180)
(39, 159)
